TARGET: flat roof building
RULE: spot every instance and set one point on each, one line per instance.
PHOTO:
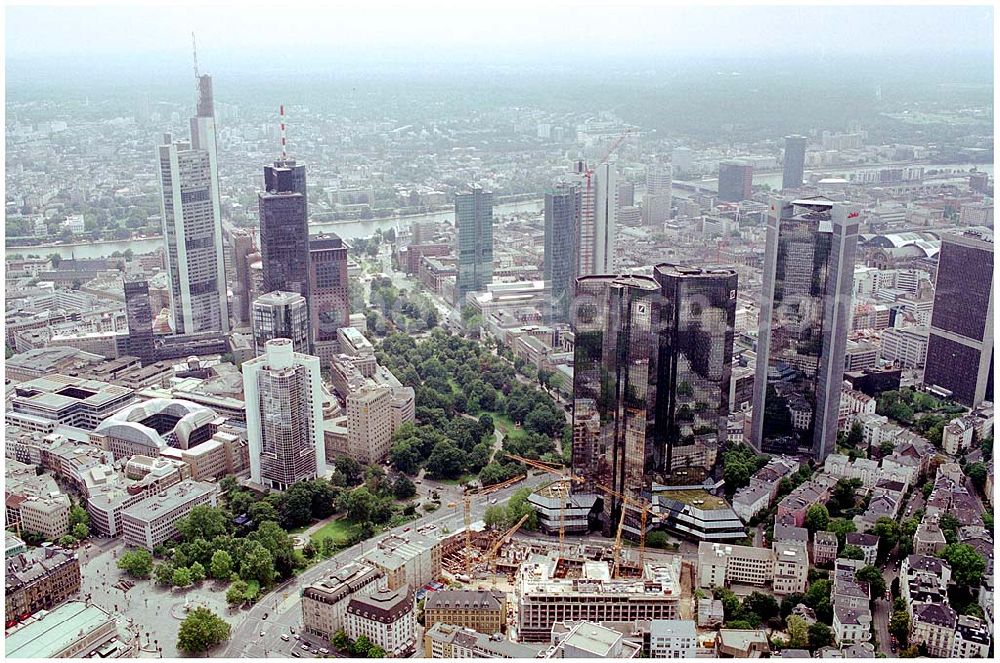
(151, 521)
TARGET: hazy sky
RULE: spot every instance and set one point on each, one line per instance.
(499, 31)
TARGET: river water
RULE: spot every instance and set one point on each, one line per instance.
(346, 229)
(364, 228)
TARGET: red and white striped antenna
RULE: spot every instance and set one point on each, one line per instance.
(284, 154)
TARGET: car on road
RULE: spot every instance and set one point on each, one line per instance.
(324, 650)
(314, 652)
(296, 654)
(493, 501)
(451, 505)
(284, 636)
(265, 616)
(406, 529)
(262, 634)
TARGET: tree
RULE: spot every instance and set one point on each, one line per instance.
(81, 531)
(841, 527)
(67, 541)
(350, 468)
(977, 473)
(204, 522)
(888, 532)
(820, 635)
(360, 647)
(137, 563)
(763, 605)
(78, 515)
(222, 565)
(202, 629)
(237, 592)
(376, 652)
(446, 461)
(817, 518)
(340, 640)
(197, 572)
(798, 632)
(164, 574)
(852, 552)
(257, 564)
(899, 626)
(855, 436)
(182, 577)
(967, 566)
(358, 504)
(403, 488)
(873, 576)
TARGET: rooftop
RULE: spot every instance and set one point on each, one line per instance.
(54, 630)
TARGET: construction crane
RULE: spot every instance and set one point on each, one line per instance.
(565, 476)
(644, 508)
(615, 144)
(491, 555)
(467, 499)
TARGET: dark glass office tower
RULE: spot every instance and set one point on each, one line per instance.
(139, 315)
(735, 181)
(284, 228)
(804, 320)
(562, 218)
(614, 384)
(697, 315)
(960, 344)
(474, 223)
(328, 298)
(795, 162)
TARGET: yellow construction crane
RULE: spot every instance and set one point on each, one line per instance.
(491, 555)
(467, 499)
(566, 476)
(644, 508)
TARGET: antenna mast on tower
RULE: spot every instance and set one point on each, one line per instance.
(194, 48)
(281, 111)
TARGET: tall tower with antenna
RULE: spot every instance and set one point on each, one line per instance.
(192, 220)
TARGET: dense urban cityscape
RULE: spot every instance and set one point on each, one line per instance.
(688, 365)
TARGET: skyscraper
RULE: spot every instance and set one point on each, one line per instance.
(735, 181)
(281, 315)
(474, 222)
(562, 217)
(330, 306)
(804, 319)
(586, 232)
(658, 200)
(795, 162)
(139, 315)
(960, 344)
(284, 228)
(697, 317)
(605, 217)
(241, 245)
(284, 403)
(615, 383)
(192, 223)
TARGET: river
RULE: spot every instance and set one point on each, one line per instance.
(346, 229)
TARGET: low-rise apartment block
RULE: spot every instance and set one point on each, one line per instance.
(324, 603)
(150, 522)
(483, 611)
(387, 619)
(39, 579)
(450, 641)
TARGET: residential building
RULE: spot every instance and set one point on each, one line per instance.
(675, 638)
(483, 611)
(824, 549)
(284, 397)
(280, 314)
(324, 603)
(928, 539)
(803, 325)
(868, 543)
(742, 643)
(851, 625)
(47, 515)
(450, 641)
(152, 521)
(933, 626)
(39, 579)
(960, 345)
(547, 598)
(474, 228)
(192, 223)
(386, 618)
(972, 638)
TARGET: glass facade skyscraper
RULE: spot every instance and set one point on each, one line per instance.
(474, 222)
(793, 170)
(697, 316)
(139, 315)
(284, 228)
(280, 315)
(960, 343)
(562, 219)
(804, 320)
(329, 301)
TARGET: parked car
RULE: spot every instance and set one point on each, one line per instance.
(284, 636)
